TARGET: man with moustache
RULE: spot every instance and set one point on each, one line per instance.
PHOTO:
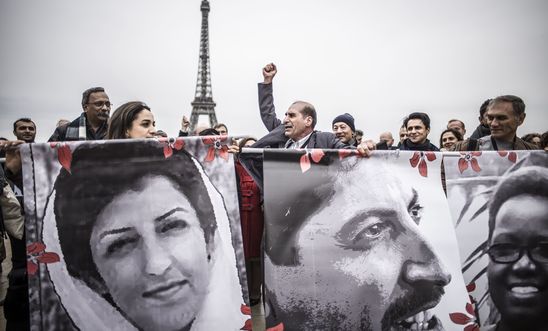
(518, 247)
(344, 251)
(296, 131)
(92, 123)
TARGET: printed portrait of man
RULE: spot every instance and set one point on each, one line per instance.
(344, 252)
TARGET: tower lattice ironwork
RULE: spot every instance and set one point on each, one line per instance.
(203, 103)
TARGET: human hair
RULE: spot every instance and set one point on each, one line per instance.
(530, 180)
(209, 132)
(483, 107)
(456, 120)
(88, 92)
(23, 119)
(518, 106)
(544, 140)
(529, 137)
(101, 172)
(218, 125)
(307, 110)
(418, 116)
(454, 132)
(122, 119)
(244, 141)
(290, 212)
(359, 133)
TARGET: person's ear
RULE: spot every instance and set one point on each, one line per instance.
(308, 121)
(521, 118)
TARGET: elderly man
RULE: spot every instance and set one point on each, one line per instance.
(504, 115)
(457, 125)
(343, 125)
(344, 128)
(344, 251)
(387, 139)
(92, 123)
(25, 129)
(295, 131)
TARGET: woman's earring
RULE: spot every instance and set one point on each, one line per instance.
(208, 257)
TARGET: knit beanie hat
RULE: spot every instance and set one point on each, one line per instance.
(347, 119)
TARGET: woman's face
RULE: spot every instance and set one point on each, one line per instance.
(150, 250)
(143, 126)
(519, 289)
(448, 139)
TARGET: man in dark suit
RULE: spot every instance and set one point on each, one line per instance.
(294, 132)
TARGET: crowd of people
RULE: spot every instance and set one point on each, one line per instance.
(499, 119)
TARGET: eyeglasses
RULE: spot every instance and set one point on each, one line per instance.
(100, 104)
(510, 253)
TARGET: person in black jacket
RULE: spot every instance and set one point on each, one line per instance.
(418, 128)
(92, 123)
(483, 129)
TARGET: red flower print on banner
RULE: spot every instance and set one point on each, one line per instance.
(64, 154)
(171, 144)
(463, 319)
(471, 287)
(279, 327)
(246, 310)
(216, 145)
(36, 253)
(512, 156)
(469, 158)
(315, 154)
(418, 158)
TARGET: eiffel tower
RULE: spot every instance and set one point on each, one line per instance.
(203, 103)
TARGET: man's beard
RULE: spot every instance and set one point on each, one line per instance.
(420, 298)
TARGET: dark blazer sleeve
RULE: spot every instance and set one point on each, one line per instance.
(266, 106)
(253, 163)
(59, 134)
(327, 140)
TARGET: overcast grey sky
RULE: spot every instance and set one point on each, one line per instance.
(378, 60)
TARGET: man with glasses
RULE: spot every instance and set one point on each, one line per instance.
(518, 248)
(92, 123)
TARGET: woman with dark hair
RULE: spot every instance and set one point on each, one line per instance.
(131, 120)
(448, 138)
(140, 230)
(518, 248)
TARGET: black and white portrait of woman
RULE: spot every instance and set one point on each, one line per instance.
(359, 244)
(143, 240)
